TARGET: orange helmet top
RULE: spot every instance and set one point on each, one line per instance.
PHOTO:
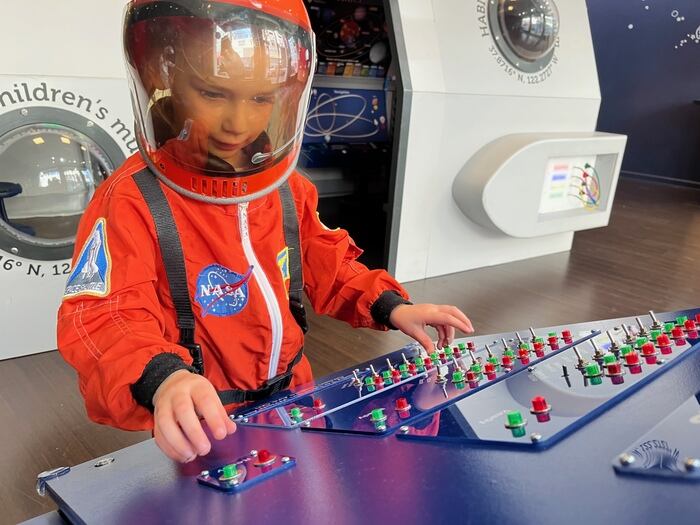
(220, 92)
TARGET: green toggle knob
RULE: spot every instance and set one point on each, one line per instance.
(592, 369)
(377, 415)
(515, 418)
(229, 471)
(457, 376)
(668, 327)
(609, 358)
(625, 349)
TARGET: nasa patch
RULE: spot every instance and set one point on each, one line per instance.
(222, 292)
(91, 275)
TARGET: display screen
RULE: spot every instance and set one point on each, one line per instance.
(351, 37)
(570, 183)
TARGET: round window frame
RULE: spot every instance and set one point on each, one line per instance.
(515, 60)
(12, 241)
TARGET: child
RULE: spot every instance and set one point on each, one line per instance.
(190, 259)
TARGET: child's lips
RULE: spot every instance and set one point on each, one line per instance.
(225, 146)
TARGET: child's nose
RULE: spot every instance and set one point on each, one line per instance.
(235, 118)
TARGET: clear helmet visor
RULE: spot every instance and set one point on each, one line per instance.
(220, 89)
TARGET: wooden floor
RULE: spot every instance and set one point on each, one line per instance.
(648, 258)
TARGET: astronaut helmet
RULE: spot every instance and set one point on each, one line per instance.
(220, 92)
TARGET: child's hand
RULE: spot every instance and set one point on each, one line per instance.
(412, 319)
(178, 402)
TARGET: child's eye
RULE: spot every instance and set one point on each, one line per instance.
(211, 94)
(263, 99)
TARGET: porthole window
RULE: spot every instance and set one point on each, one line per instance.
(48, 173)
(525, 31)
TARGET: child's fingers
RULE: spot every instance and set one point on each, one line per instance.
(457, 313)
(230, 426)
(209, 406)
(187, 419)
(167, 449)
(442, 336)
(174, 437)
(423, 338)
(449, 334)
(439, 317)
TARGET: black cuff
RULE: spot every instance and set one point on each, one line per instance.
(381, 308)
(156, 371)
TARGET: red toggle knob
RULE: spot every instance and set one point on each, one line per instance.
(677, 333)
(697, 318)
(663, 340)
(648, 349)
(523, 353)
(553, 340)
(632, 358)
(402, 404)
(318, 403)
(507, 361)
(690, 325)
(614, 369)
(264, 456)
(539, 404)
(489, 368)
(471, 376)
(412, 369)
(470, 345)
(566, 335)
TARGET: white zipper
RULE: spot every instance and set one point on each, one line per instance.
(273, 307)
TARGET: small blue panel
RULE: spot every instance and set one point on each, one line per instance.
(245, 471)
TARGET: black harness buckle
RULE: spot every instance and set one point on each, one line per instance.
(299, 314)
(197, 359)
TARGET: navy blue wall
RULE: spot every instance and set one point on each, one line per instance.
(649, 79)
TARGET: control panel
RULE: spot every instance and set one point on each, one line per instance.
(509, 390)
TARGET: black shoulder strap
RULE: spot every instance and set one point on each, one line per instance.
(291, 237)
(173, 260)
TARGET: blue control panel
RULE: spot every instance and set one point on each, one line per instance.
(539, 406)
(445, 437)
(394, 391)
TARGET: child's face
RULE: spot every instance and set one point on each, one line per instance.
(231, 105)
